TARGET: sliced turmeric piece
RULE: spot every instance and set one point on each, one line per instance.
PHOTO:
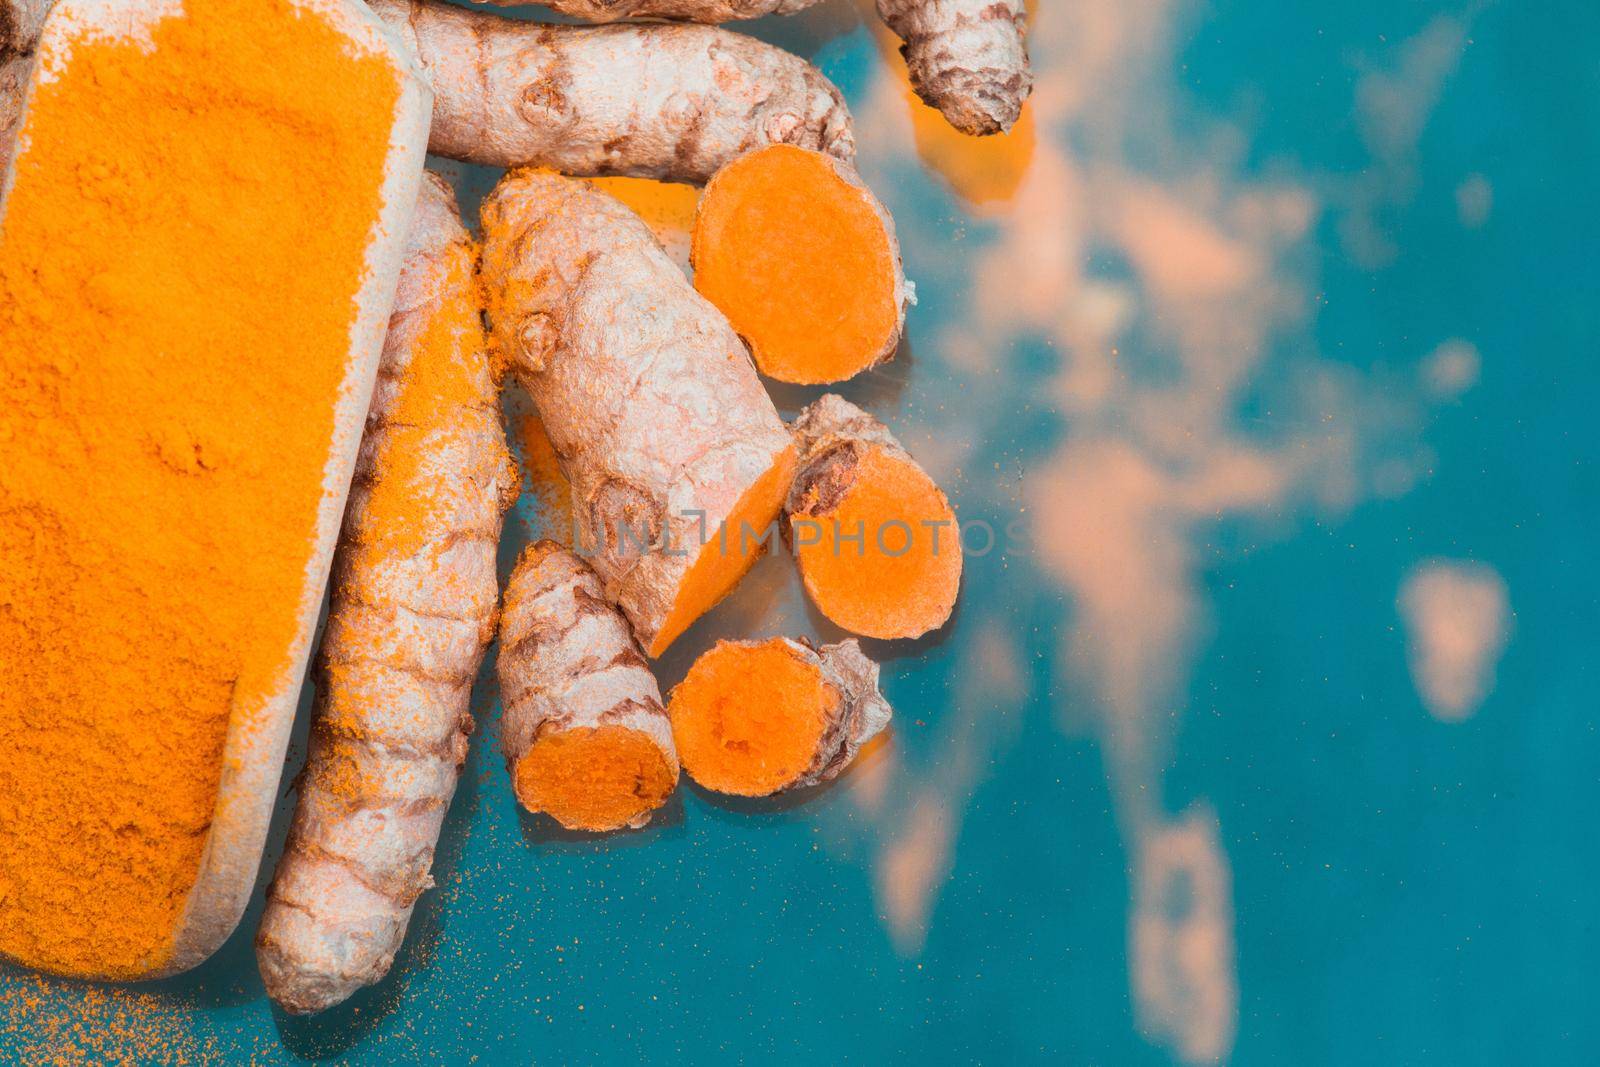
(754, 718)
(876, 540)
(676, 456)
(584, 734)
(802, 258)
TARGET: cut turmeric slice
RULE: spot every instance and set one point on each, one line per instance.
(876, 540)
(802, 258)
(584, 734)
(754, 718)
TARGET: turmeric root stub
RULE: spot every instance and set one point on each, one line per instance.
(184, 266)
(877, 541)
(584, 733)
(756, 718)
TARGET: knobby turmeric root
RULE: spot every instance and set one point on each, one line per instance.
(585, 737)
(712, 11)
(666, 207)
(673, 102)
(802, 258)
(677, 459)
(754, 718)
(413, 609)
(967, 58)
(876, 540)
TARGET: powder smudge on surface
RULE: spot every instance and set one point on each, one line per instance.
(178, 263)
(64, 1025)
(1457, 622)
(547, 509)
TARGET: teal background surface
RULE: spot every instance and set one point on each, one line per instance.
(1265, 734)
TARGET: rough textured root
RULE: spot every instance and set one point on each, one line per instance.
(876, 540)
(666, 207)
(655, 101)
(754, 718)
(14, 72)
(413, 608)
(967, 58)
(670, 443)
(20, 23)
(793, 247)
(711, 11)
(585, 737)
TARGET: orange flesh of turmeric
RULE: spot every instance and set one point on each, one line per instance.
(723, 560)
(179, 260)
(594, 779)
(799, 261)
(901, 578)
(747, 720)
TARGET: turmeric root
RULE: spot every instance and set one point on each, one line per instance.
(20, 23)
(413, 609)
(666, 207)
(677, 459)
(967, 58)
(876, 540)
(673, 102)
(802, 258)
(711, 11)
(14, 72)
(754, 718)
(585, 737)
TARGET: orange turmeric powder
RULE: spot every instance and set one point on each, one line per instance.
(178, 264)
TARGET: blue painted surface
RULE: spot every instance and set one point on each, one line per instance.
(1288, 306)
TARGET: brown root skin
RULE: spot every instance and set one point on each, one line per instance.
(666, 101)
(708, 11)
(876, 540)
(968, 58)
(650, 401)
(20, 24)
(793, 247)
(584, 734)
(756, 718)
(412, 611)
(15, 70)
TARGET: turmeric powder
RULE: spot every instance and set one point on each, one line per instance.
(183, 268)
